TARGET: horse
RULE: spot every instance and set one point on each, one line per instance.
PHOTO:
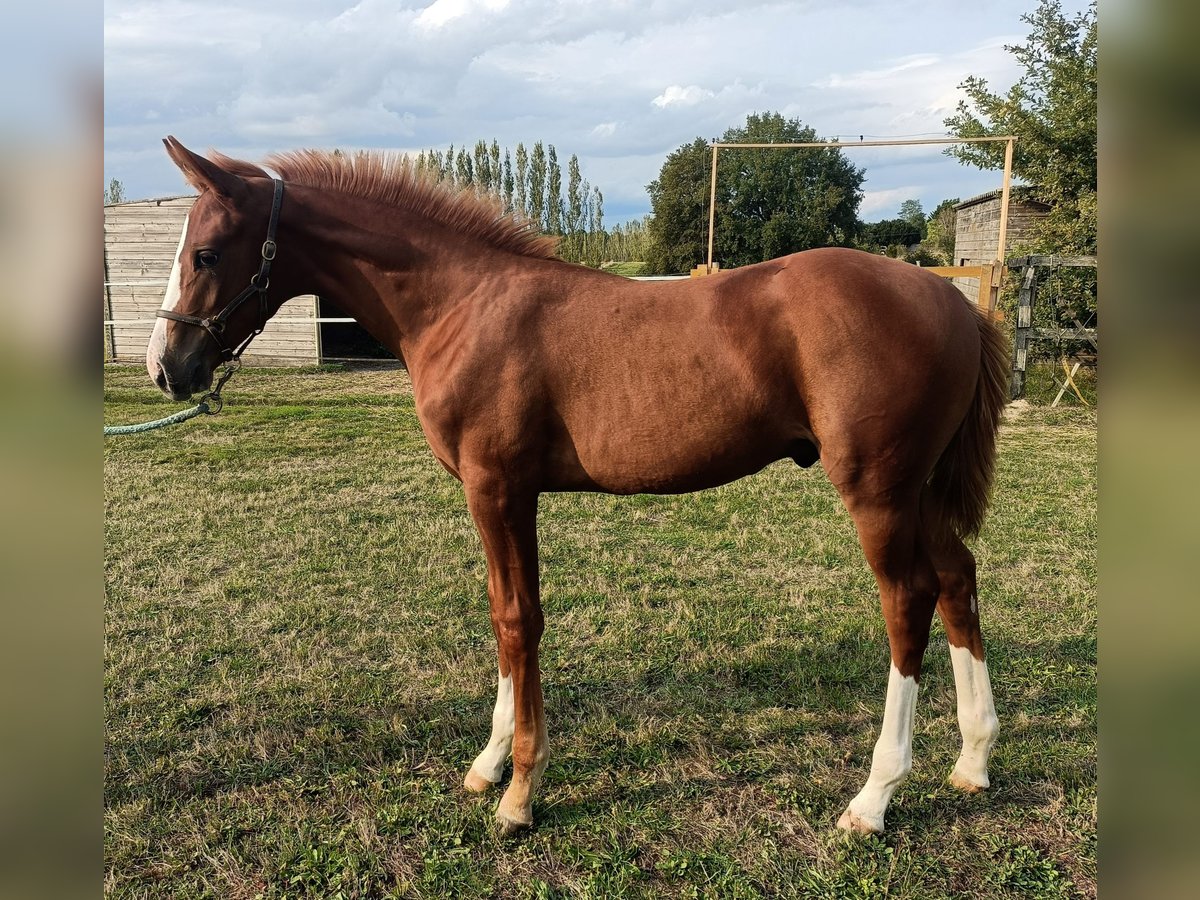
(531, 375)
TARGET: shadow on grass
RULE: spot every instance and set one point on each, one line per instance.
(651, 734)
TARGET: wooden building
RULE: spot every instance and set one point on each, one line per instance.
(977, 230)
(140, 240)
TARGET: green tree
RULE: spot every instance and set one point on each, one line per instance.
(497, 182)
(537, 184)
(508, 181)
(521, 187)
(554, 204)
(940, 231)
(576, 188)
(911, 212)
(482, 160)
(115, 192)
(889, 233)
(1052, 111)
(464, 169)
(679, 200)
(769, 202)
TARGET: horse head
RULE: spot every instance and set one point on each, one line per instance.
(217, 297)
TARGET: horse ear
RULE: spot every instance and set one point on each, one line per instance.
(203, 174)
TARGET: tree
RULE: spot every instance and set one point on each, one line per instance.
(940, 231)
(1052, 110)
(576, 189)
(532, 190)
(482, 159)
(679, 200)
(889, 233)
(521, 204)
(769, 202)
(554, 204)
(497, 182)
(464, 169)
(911, 212)
(508, 182)
(115, 192)
(537, 184)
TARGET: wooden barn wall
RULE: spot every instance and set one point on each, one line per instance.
(140, 240)
(977, 235)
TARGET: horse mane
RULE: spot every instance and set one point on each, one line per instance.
(391, 178)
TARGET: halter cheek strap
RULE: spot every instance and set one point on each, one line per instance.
(259, 282)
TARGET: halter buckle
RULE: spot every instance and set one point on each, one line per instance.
(268, 250)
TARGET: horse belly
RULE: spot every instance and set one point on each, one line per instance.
(663, 452)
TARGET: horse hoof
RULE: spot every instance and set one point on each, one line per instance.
(965, 784)
(476, 783)
(509, 827)
(850, 822)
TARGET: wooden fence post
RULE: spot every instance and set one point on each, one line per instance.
(1024, 326)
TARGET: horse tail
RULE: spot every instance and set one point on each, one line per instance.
(958, 489)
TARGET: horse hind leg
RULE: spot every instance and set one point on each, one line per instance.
(908, 590)
(958, 607)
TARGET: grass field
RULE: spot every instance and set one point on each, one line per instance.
(300, 669)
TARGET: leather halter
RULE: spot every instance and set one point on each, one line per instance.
(259, 282)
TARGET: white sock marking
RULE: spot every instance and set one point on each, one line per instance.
(892, 760)
(490, 763)
(158, 337)
(976, 716)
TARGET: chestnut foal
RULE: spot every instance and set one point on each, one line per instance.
(532, 375)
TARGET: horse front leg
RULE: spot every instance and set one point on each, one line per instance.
(507, 524)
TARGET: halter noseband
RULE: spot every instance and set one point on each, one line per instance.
(259, 282)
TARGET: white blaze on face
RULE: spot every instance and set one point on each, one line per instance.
(976, 718)
(490, 763)
(158, 337)
(892, 759)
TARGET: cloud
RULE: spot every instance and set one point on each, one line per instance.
(440, 12)
(885, 204)
(675, 95)
(874, 76)
(620, 84)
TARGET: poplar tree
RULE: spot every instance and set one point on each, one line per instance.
(497, 184)
(483, 167)
(553, 192)
(537, 184)
(464, 173)
(575, 192)
(508, 182)
(522, 182)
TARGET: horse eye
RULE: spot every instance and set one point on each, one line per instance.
(206, 259)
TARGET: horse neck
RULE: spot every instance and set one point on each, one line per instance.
(396, 273)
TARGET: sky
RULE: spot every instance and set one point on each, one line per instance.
(619, 83)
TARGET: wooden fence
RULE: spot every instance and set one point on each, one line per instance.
(1025, 334)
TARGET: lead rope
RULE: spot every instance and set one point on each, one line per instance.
(210, 404)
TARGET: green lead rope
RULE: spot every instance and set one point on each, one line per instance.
(182, 416)
(210, 403)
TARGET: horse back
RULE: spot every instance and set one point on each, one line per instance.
(603, 383)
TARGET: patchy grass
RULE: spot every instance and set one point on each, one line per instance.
(300, 669)
(1045, 377)
(625, 268)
